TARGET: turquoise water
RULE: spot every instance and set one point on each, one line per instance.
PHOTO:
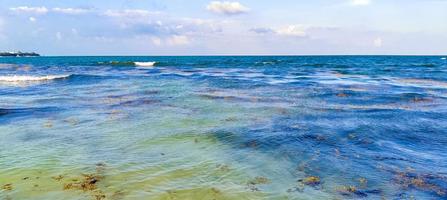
(317, 127)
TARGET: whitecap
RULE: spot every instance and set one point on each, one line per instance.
(145, 64)
(24, 78)
(443, 58)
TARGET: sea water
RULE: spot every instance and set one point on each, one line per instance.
(303, 127)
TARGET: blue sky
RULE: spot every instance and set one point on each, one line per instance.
(202, 27)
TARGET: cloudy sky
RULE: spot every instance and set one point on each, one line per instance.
(204, 27)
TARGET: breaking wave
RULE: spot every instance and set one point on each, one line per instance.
(128, 63)
(20, 78)
(145, 64)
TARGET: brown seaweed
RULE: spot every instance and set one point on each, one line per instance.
(311, 181)
(342, 95)
(259, 180)
(422, 182)
(351, 191)
(88, 183)
(7, 187)
(58, 178)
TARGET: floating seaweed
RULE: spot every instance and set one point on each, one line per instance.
(99, 195)
(363, 182)
(89, 183)
(351, 191)
(259, 180)
(58, 178)
(423, 182)
(342, 95)
(421, 100)
(7, 187)
(48, 124)
(311, 181)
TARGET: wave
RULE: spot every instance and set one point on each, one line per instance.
(145, 64)
(117, 63)
(128, 63)
(19, 78)
(443, 58)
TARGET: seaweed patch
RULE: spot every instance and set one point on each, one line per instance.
(311, 181)
(423, 182)
(88, 183)
(7, 187)
(259, 180)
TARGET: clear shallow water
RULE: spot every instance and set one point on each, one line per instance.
(223, 128)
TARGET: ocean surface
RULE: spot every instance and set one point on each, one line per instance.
(304, 127)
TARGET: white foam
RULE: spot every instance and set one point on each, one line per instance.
(145, 64)
(443, 58)
(16, 78)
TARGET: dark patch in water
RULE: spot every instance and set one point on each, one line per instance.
(3, 112)
(7, 115)
(140, 102)
(351, 191)
(151, 92)
(384, 158)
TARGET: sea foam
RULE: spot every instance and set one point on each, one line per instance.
(145, 64)
(20, 78)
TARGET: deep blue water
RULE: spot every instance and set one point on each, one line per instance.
(368, 127)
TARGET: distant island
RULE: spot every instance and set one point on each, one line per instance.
(18, 54)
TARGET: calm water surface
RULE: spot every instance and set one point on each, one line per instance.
(334, 127)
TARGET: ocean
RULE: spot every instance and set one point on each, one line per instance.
(223, 127)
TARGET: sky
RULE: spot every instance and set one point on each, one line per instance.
(243, 27)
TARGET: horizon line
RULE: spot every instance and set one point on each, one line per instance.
(232, 55)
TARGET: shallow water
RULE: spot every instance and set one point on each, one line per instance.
(330, 127)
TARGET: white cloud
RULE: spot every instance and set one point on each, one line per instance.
(1, 24)
(59, 36)
(31, 10)
(74, 31)
(70, 11)
(262, 30)
(360, 2)
(227, 7)
(32, 19)
(129, 13)
(378, 42)
(292, 30)
(177, 40)
(156, 41)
